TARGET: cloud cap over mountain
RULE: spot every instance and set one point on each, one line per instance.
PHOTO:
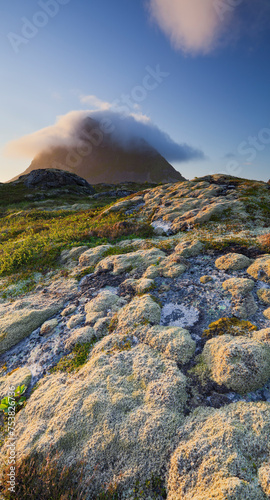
(126, 131)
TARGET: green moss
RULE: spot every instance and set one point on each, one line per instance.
(145, 322)
(124, 344)
(225, 215)
(155, 299)
(150, 288)
(117, 250)
(84, 272)
(75, 359)
(153, 488)
(200, 372)
(110, 494)
(230, 326)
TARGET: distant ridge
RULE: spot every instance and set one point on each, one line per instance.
(108, 162)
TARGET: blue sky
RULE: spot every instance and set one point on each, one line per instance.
(214, 97)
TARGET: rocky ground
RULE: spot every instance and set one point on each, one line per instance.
(147, 360)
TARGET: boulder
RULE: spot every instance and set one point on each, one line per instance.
(151, 272)
(232, 262)
(48, 326)
(51, 178)
(173, 342)
(140, 311)
(106, 301)
(93, 255)
(242, 364)
(260, 269)
(80, 336)
(140, 286)
(68, 310)
(141, 259)
(20, 318)
(266, 313)
(189, 248)
(19, 324)
(75, 320)
(206, 279)
(243, 303)
(68, 256)
(238, 286)
(264, 295)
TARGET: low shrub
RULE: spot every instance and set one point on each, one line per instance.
(122, 228)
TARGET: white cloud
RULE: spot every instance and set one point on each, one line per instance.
(199, 26)
(95, 102)
(193, 26)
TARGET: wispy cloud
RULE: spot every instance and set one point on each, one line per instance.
(199, 26)
(122, 129)
(94, 102)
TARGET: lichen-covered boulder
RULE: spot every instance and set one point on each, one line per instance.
(206, 279)
(140, 286)
(169, 268)
(68, 310)
(243, 303)
(75, 320)
(260, 269)
(266, 313)
(240, 363)
(20, 318)
(189, 248)
(101, 327)
(244, 307)
(71, 255)
(93, 255)
(119, 415)
(232, 262)
(151, 272)
(238, 286)
(48, 326)
(141, 259)
(223, 455)
(80, 336)
(21, 376)
(173, 342)
(140, 311)
(264, 295)
(99, 307)
(19, 324)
